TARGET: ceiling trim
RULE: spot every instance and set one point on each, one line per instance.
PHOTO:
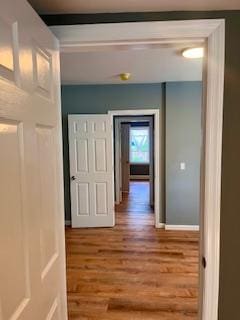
(95, 18)
(75, 46)
(77, 38)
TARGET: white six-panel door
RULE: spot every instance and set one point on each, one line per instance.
(32, 253)
(91, 170)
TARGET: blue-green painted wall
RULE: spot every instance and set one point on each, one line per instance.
(183, 144)
(86, 99)
(182, 104)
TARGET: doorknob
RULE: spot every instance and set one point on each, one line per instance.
(73, 178)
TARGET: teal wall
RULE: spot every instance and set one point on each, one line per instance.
(183, 144)
(182, 105)
(88, 99)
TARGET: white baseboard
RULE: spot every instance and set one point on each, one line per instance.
(139, 177)
(182, 227)
(68, 223)
(160, 225)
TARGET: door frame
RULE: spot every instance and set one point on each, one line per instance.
(157, 147)
(211, 33)
(125, 157)
(117, 147)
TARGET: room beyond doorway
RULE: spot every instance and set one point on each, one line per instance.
(133, 153)
(155, 194)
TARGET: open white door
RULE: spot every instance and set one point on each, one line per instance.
(91, 170)
(32, 259)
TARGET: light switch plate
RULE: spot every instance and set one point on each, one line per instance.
(182, 165)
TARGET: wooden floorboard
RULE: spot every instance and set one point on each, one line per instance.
(132, 271)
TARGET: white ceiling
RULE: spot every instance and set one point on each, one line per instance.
(96, 6)
(149, 65)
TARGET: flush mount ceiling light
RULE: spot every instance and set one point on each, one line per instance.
(193, 53)
(125, 76)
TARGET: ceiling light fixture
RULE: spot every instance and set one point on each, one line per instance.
(193, 53)
(125, 76)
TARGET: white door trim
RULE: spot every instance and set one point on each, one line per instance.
(157, 185)
(117, 163)
(212, 149)
(212, 32)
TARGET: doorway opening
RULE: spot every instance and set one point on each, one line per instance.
(102, 149)
(134, 166)
(136, 156)
(209, 175)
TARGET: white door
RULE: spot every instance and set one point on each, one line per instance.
(91, 170)
(32, 253)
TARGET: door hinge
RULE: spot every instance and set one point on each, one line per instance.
(204, 262)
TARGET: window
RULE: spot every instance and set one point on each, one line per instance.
(139, 145)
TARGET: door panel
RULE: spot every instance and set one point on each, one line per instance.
(100, 155)
(91, 169)
(83, 198)
(48, 246)
(101, 197)
(16, 288)
(32, 259)
(81, 155)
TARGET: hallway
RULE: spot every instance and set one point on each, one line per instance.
(133, 270)
(136, 202)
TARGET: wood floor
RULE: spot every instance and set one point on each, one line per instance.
(132, 271)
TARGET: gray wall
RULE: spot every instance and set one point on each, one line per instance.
(88, 99)
(183, 142)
